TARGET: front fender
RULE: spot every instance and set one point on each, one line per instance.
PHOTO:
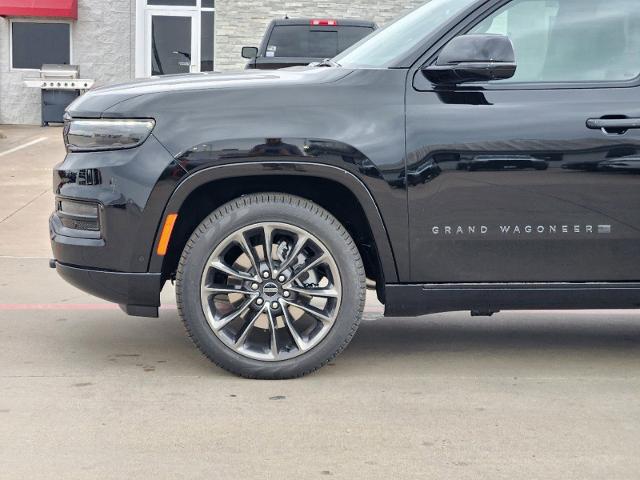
(281, 166)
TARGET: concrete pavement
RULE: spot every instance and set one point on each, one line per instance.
(87, 392)
(26, 199)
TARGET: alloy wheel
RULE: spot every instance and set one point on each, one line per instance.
(271, 291)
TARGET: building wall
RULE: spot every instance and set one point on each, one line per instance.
(243, 22)
(102, 45)
(103, 40)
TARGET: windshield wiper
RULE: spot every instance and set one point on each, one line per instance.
(327, 62)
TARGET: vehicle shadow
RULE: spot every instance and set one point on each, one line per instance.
(520, 343)
(504, 331)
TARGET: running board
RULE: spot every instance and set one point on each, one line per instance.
(410, 300)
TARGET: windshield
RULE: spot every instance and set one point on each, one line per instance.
(400, 37)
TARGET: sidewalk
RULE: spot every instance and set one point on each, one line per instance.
(27, 155)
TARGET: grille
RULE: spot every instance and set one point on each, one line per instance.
(77, 224)
(78, 215)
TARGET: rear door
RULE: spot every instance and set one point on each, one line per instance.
(536, 178)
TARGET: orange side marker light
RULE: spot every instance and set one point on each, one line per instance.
(165, 236)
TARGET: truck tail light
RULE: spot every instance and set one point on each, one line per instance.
(324, 23)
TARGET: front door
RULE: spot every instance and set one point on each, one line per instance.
(536, 178)
(171, 42)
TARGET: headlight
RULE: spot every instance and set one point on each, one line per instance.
(82, 135)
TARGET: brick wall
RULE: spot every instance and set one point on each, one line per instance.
(243, 22)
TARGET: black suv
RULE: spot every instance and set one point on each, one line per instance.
(297, 42)
(271, 199)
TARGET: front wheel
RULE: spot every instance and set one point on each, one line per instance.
(271, 286)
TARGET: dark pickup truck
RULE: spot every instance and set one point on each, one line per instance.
(298, 42)
(474, 155)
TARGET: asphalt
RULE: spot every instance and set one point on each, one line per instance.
(87, 392)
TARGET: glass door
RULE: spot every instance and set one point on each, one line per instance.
(172, 42)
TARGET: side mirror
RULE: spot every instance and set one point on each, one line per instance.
(249, 52)
(473, 58)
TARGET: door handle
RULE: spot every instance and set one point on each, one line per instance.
(613, 126)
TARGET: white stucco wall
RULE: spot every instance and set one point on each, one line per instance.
(102, 45)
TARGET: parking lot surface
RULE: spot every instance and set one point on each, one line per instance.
(87, 392)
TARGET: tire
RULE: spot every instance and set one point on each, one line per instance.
(272, 347)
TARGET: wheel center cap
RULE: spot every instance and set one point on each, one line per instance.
(270, 290)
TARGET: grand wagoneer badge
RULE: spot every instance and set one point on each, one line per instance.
(562, 229)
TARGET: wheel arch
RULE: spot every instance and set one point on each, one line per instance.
(201, 192)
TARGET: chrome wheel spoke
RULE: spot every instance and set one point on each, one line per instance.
(249, 251)
(308, 267)
(268, 245)
(226, 320)
(314, 312)
(247, 328)
(300, 343)
(316, 292)
(225, 289)
(274, 334)
(300, 243)
(232, 272)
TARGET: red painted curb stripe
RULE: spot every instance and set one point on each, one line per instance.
(56, 306)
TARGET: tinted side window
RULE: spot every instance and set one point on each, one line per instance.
(570, 40)
(33, 44)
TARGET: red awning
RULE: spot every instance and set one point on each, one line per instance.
(39, 8)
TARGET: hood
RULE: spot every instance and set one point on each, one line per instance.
(96, 101)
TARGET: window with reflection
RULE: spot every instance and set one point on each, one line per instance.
(207, 40)
(173, 3)
(36, 43)
(570, 40)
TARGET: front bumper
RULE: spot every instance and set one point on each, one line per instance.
(110, 257)
(130, 188)
(137, 294)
